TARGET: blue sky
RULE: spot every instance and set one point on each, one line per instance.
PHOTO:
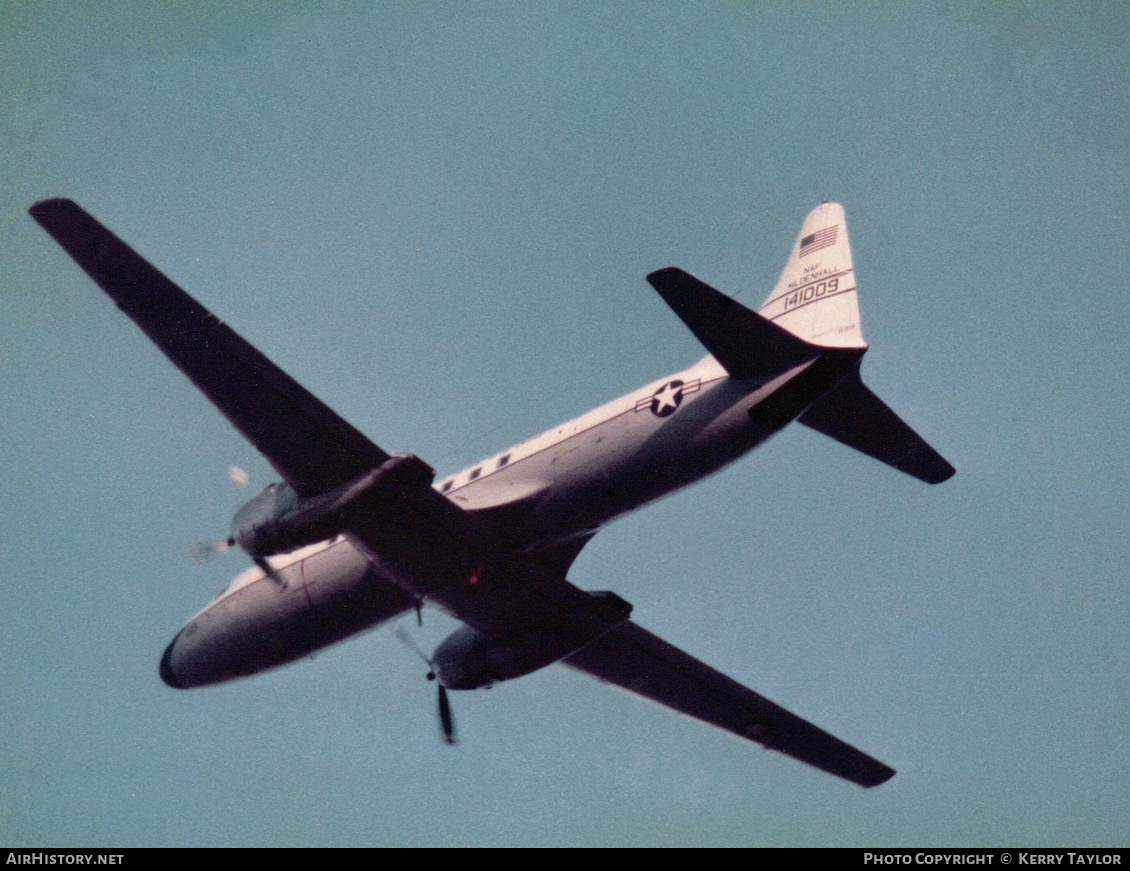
(438, 218)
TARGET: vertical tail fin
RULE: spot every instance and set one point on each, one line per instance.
(815, 296)
(811, 315)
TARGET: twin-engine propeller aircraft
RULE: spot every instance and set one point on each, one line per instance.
(355, 536)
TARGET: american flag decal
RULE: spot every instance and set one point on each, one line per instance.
(820, 239)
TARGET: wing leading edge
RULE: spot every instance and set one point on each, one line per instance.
(310, 445)
(402, 524)
(646, 665)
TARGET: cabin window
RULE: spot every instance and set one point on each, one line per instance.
(447, 485)
(475, 473)
(503, 460)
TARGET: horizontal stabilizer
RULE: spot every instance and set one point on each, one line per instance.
(850, 413)
(741, 340)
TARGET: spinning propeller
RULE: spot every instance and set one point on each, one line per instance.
(446, 718)
(202, 551)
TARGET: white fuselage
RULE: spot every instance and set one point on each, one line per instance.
(578, 476)
(563, 484)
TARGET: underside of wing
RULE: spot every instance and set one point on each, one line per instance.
(641, 663)
(313, 448)
(744, 342)
(853, 415)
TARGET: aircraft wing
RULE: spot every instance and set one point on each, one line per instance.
(406, 527)
(309, 445)
(641, 663)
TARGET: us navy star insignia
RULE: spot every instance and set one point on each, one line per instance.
(666, 400)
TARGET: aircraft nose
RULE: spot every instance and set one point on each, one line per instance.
(166, 667)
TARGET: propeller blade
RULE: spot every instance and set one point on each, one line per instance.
(446, 720)
(410, 642)
(202, 551)
(238, 477)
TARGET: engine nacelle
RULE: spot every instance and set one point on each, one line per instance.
(469, 659)
(278, 520)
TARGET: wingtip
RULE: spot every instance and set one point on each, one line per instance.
(49, 203)
(879, 779)
(44, 210)
(660, 274)
(942, 475)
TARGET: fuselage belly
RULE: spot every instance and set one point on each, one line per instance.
(568, 481)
